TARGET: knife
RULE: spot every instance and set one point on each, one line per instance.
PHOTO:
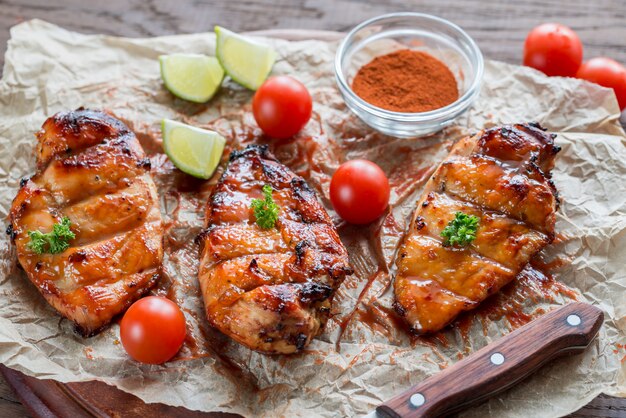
(499, 365)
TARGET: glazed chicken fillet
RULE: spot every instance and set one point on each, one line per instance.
(269, 289)
(91, 169)
(500, 175)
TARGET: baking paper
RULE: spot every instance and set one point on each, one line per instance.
(365, 356)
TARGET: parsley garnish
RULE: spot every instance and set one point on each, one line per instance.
(265, 210)
(461, 230)
(53, 242)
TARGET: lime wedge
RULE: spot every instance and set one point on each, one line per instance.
(244, 60)
(191, 77)
(193, 150)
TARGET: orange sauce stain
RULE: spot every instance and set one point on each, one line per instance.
(463, 325)
(439, 339)
(343, 324)
(440, 361)
(89, 353)
(620, 347)
(534, 283)
(381, 319)
(391, 226)
(409, 174)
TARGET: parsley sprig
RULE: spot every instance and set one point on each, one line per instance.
(53, 242)
(461, 231)
(265, 210)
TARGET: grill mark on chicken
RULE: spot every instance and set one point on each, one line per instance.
(506, 190)
(501, 239)
(520, 143)
(92, 169)
(268, 289)
(500, 175)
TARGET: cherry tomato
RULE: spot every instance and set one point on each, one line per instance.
(553, 49)
(153, 330)
(608, 73)
(359, 191)
(282, 106)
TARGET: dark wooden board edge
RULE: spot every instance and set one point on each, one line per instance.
(45, 398)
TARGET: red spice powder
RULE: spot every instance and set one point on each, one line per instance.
(406, 81)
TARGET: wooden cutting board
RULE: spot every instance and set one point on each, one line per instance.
(49, 398)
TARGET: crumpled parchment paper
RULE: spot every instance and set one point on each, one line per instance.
(364, 356)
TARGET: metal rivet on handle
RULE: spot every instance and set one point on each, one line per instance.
(417, 400)
(497, 358)
(574, 320)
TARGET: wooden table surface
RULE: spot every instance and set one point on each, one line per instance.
(499, 27)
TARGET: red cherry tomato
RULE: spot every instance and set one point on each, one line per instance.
(553, 49)
(608, 73)
(359, 191)
(153, 330)
(282, 106)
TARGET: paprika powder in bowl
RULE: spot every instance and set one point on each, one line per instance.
(408, 74)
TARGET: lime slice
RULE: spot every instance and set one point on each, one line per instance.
(245, 61)
(191, 77)
(193, 150)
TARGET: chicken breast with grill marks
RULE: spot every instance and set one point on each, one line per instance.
(269, 289)
(92, 170)
(501, 176)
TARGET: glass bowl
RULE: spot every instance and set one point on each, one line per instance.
(438, 37)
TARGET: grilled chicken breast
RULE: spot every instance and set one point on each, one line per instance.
(500, 175)
(269, 289)
(91, 169)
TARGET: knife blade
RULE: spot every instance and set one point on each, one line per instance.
(499, 365)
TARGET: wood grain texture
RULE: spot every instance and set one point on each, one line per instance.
(499, 27)
(9, 404)
(479, 376)
(47, 398)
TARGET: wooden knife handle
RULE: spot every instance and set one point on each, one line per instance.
(499, 365)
